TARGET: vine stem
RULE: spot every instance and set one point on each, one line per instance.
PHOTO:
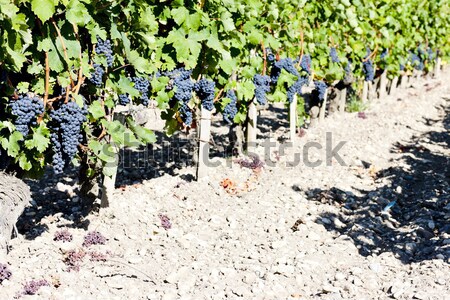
(301, 47)
(80, 70)
(371, 54)
(121, 67)
(63, 45)
(218, 95)
(264, 57)
(47, 86)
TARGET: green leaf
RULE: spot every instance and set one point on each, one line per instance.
(145, 135)
(179, 14)
(227, 21)
(40, 140)
(11, 145)
(24, 163)
(96, 110)
(44, 9)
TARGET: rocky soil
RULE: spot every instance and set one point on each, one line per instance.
(374, 225)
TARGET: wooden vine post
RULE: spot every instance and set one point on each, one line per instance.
(109, 177)
(404, 81)
(365, 91)
(342, 100)
(393, 86)
(323, 107)
(251, 126)
(204, 137)
(293, 118)
(437, 68)
(383, 85)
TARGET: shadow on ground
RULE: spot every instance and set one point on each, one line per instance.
(417, 226)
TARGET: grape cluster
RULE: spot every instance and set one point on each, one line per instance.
(384, 54)
(142, 85)
(285, 63)
(181, 80)
(165, 221)
(186, 114)
(369, 72)
(430, 53)
(321, 88)
(124, 99)
(305, 64)
(26, 109)
(104, 47)
(94, 238)
(63, 235)
(269, 55)
(33, 286)
(262, 86)
(417, 61)
(205, 91)
(230, 110)
(421, 53)
(296, 88)
(97, 76)
(334, 55)
(65, 126)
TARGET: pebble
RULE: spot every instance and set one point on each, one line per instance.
(440, 256)
(313, 236)
(326, 221)
(431, 225)
(357, 281)
(278, 244)
(425, 233)
(410, 247)
(375, 267)
(339, 276)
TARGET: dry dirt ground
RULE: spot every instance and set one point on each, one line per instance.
(285, 231)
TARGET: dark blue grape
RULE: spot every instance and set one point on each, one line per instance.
(26, 109)
(305, 64)
(104, 47)
(262, 86)
(369, 72)
(334, 55)
(124, 99)
(269, 55)
(97, 76)
(142, 85)
(205, 91)
(296, 88)
(286, 64)
(384, 54)
(430, 53)
(420, 52)
(230, 110)
(416, 61)
(180, 79)
(65, 125)
(186, 114)
(321, 88)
